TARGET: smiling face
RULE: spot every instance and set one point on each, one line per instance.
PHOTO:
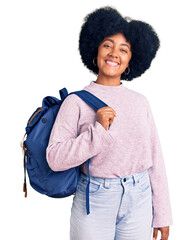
(114, 54)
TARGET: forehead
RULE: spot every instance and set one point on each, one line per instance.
(119, 38)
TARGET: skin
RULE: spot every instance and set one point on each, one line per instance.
(164, 233)
(116, 48)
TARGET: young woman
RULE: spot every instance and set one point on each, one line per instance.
(128, 183)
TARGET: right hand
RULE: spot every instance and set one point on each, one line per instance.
(105, 116)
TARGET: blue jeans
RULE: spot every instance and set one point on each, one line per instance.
(120, 208)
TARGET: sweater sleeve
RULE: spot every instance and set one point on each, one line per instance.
(67, 149)
(162, 213)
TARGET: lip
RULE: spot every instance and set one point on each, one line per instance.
(107, 60)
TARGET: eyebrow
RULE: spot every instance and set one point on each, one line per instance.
(123, 44)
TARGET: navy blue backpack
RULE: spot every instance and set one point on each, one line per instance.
(41, 177)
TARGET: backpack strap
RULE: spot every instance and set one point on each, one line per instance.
(63, 93)
(91, 99)
(95, 103)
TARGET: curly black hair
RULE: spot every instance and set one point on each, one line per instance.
(107, 21)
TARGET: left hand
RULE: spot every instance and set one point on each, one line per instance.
(164, 233)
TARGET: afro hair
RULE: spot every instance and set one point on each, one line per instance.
(107, 21)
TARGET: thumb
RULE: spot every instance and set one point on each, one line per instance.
(155, 232)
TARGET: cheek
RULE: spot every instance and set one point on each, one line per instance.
(100, 58)
(125, 60)
(101, 54)
(129, 57)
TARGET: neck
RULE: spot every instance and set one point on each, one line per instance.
(108, 81)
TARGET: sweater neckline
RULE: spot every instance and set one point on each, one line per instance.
(96, 86)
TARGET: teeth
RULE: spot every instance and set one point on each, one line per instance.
(112, 63)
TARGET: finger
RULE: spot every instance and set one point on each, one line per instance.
(112, 110)
(111, 120)
(164, 235)
(114, 113)
(110, 115)
(155, 232)
(108, 109)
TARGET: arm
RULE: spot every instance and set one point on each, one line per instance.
(160, 192)
(66, 149)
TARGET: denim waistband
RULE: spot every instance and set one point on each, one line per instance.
(129, 178)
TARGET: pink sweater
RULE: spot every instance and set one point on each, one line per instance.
(131, 144)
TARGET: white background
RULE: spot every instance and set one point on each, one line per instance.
(39, 55)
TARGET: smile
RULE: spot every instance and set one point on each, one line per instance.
(111, 63)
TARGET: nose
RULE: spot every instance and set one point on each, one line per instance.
(113, 53)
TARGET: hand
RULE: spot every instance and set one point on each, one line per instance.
(105, 116)
(164, 233)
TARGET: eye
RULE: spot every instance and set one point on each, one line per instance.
(106, 45)
(124, 50)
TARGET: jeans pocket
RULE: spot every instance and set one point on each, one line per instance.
(143, 182)
(94, 186)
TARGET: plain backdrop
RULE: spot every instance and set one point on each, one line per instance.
(39, 55)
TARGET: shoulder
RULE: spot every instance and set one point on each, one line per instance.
(72, 99)
(137, 95)
(71, 103)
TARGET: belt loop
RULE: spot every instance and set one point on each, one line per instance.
(106, 183)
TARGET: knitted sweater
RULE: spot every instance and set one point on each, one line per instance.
(131, 144)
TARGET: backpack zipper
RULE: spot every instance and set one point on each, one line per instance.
(34, 115)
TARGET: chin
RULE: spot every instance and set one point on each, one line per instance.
(113, 75)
